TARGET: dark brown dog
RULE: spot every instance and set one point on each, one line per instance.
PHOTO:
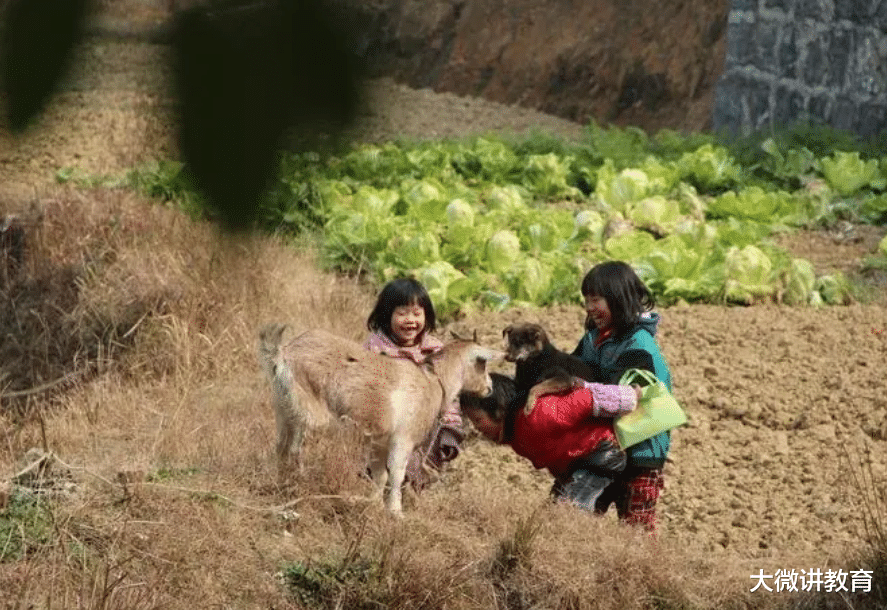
(537, 360)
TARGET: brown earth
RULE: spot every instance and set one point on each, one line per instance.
(635, 63)
(783, 402)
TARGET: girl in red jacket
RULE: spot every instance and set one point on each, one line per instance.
(569, 433)
(566, 433)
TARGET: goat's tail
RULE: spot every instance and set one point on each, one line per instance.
(275, 367)
(291, 421)
(269, 348)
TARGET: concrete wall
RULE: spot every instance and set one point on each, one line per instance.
(790, 60)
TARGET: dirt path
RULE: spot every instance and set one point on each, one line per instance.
(783, 401)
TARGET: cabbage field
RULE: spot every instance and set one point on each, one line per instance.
(493, 222)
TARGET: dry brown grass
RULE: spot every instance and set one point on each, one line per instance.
(165, 441)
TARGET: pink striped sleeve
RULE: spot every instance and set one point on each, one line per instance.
(612, 400)
(380, 344)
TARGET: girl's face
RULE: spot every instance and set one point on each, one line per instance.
(599, 312)
(486, 425)
(407, 324)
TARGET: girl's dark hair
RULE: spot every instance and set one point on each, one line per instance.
(625, 293)
(400, 293)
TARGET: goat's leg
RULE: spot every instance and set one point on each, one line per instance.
(286, 431)
(379, 469)
(398, 454)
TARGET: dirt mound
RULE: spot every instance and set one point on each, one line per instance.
(611, 61)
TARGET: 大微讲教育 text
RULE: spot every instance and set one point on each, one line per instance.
(815, 579)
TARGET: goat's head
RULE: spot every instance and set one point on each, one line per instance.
(523, 341)
(476, 376)
(488, 413)
(496, 405)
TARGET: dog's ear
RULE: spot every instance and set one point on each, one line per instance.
(539, 335)
(506, 332)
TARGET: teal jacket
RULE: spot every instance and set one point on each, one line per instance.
(636, 349)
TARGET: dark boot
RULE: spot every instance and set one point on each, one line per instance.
(607, 460)
(582, 488)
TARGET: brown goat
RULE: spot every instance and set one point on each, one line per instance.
(319, 377)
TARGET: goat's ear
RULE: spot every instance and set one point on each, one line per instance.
(459, 337)
(272, 332)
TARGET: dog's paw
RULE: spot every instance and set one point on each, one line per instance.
(552, 385)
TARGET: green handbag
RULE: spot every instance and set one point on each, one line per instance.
(657, 411)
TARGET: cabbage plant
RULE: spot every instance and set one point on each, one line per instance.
(834, 288)
(508, 198)
(416, 250)
(616, 189)
(630, 246)
(657, 214)
(447, 286)
(847, 173)
(800, 280)
(548, 175)
(747, 275)
(503, 251)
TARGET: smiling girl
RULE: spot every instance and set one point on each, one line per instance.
(620, 335)
(401, 324)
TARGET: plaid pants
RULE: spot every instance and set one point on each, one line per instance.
(635, 492)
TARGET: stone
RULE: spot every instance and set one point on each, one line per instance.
(825, 65)
(780, 442)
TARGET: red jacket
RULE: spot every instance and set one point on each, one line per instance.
(560, 428)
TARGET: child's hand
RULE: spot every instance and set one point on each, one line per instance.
(638, 392)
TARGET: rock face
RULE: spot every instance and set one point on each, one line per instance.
(636, 62)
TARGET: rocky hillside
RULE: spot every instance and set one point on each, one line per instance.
(635, 62)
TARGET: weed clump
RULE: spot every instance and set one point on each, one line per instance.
(25, 525)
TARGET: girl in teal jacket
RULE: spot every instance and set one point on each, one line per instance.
(621, 335)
